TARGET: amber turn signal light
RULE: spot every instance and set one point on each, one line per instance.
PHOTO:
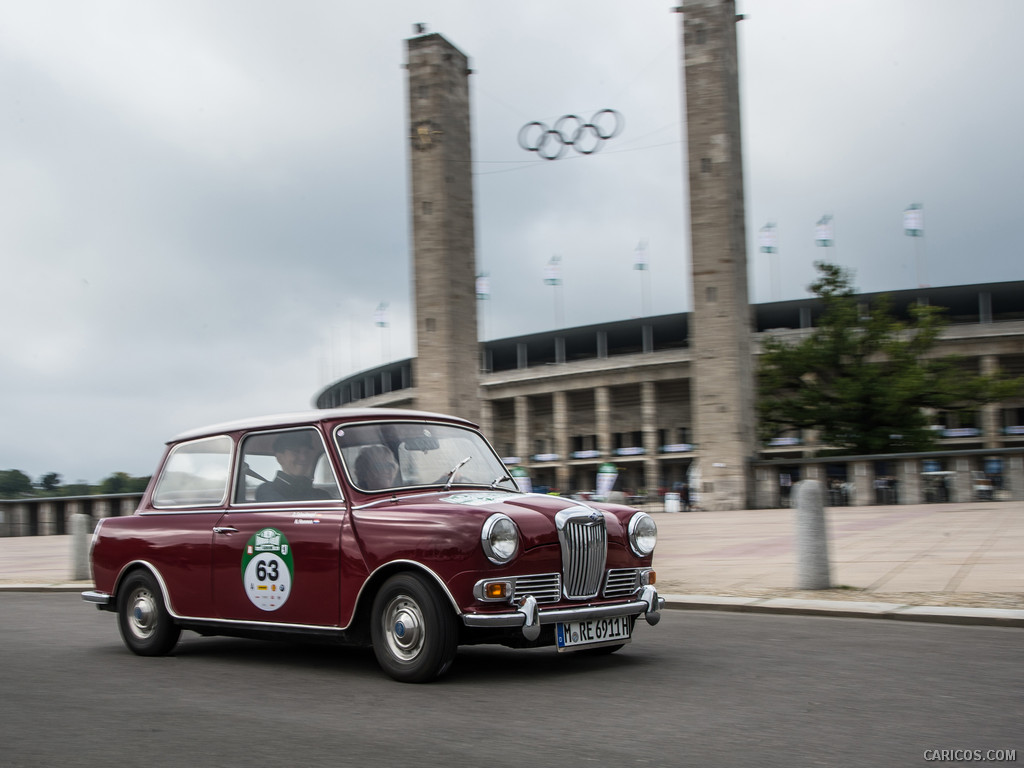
(496, 590)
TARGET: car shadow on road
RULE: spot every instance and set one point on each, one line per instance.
(483, 663)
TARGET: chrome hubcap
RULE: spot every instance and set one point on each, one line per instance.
(403, 628)
(142, 613)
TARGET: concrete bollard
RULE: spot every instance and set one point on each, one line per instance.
(813, 571)
(81, 532)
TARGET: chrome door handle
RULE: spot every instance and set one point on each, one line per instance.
(224, 529)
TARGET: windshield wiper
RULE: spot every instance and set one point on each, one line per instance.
(451, 473)
(500, 479)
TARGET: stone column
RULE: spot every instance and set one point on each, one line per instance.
(910, 482)
(523, 449)
(1014, 477)
(560, 417)
(767, 488)
(444, 249)
(487, 419)
(603, 419)
(863, 484)
(990, 426)
(649, 426)
(720, 322)
(102, 509)
(813, 472)
(47, 521)
(80, 527)
(19, 520)
(813, 566)
(963, 484)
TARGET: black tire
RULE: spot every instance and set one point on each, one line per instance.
(146, 626)
(414, 631)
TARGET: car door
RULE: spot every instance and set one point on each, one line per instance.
(278, 561)
(278, 565)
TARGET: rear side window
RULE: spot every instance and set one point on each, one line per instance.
(195, 474)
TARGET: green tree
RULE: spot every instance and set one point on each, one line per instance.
(864, 379)
(138, 484)
(122, 482)
(49, 482)
(14, 483)
(80, 488)
(116, 483)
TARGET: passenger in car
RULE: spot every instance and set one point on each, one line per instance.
(376, 468)
(297, 453)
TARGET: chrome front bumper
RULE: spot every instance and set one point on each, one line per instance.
(99, 598)
(530, 617)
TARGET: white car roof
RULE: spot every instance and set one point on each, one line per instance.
(313, 417)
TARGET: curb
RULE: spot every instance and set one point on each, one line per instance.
(935, 614)
(45, 586)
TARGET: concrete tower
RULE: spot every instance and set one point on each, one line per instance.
(446, 368)
(723, 384)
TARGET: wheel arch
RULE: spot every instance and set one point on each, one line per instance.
(373, 583)
(144, 565)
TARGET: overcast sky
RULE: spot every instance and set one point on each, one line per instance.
(202, 202)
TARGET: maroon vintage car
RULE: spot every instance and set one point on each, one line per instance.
(399, 529)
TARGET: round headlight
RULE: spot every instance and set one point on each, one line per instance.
(500, 539)
(643, 534)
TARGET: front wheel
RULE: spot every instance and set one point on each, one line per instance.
(414, 631)
(146, 626)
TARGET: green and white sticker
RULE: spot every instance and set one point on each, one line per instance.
(267, 569)
(482, 498)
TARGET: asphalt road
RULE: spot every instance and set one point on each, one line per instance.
(701, 688)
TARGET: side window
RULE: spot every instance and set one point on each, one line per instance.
(285, 466)
(195, 474)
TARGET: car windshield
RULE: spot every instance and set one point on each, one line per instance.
(382, 456)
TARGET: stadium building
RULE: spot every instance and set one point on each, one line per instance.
(663, 400)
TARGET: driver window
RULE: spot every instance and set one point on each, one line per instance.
(285, 466)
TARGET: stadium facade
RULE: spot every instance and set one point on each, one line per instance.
(562, 403)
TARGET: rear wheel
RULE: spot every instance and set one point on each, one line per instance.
(414, 631)
(146, 626)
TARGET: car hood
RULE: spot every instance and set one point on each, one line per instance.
(533, 513)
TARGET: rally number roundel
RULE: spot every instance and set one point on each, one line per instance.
(267, 569)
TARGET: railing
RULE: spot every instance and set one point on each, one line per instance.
(51, 515)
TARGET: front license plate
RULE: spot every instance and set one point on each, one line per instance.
(592, 632)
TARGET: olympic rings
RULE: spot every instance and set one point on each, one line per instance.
(570, 131)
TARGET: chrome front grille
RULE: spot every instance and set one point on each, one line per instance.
(622, 582)
(545, 587)
(584, 540)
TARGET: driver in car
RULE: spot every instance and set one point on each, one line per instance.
(297, 453)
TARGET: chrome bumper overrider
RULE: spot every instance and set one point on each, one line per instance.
(530, 617)
(99, 598)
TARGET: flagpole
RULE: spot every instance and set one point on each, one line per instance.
(913, 226)
(641, 264)
(483, 293)
(553, 277)
(825, 233)
(769, 243)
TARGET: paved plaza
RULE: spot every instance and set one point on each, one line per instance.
(962, 560)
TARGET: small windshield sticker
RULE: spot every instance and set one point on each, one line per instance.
(267, 569)
(482, 498)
